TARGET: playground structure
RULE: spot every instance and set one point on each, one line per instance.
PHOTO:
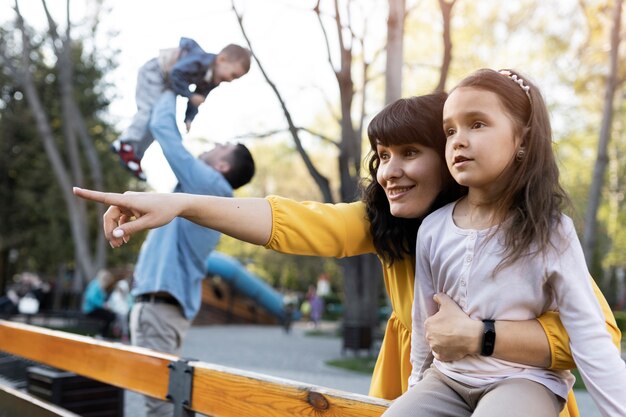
(192, 386)
(239, 296)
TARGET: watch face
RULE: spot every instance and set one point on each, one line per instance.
(489, 338)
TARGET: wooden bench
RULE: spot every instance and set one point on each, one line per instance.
(192, 386)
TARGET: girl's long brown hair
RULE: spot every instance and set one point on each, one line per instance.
(532, 198)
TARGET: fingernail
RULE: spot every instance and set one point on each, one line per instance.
(118, 233)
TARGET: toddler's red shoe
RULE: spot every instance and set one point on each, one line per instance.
(128, 158)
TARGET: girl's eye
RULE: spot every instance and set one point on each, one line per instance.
(450, 132)
(383, 156)
(478, 125)
(411, 152)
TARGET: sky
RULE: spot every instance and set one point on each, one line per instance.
(285, 35)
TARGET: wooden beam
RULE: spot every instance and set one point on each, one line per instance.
(226, 392)
(18, 404)
(216, 390)
(130, 367)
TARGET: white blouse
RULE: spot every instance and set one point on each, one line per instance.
(462, 263)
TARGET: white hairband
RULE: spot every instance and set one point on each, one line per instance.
(517, 80)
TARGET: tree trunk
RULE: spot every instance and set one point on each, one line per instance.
(362, 276)
(597, 181)
(66, 178)
(395, 48)
(446, 14)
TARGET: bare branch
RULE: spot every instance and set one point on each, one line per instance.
(321, 181)
(319, 135)
(328, 103)
(271, 133)
(52, 29)
(326, 42)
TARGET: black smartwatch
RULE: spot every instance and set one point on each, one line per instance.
(489, 338)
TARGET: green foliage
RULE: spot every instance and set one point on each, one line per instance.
(33, 217)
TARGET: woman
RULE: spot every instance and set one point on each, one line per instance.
(408, 180)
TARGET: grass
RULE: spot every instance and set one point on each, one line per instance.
(320, 333)
(364, 365)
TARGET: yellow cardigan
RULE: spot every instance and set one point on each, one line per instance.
(340, 230)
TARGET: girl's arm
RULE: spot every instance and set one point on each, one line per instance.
(561, 354)
(542, 342)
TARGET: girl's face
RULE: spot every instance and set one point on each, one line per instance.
(481, 140)
(411, 177)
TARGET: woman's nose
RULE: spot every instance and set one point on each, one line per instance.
(392, 169)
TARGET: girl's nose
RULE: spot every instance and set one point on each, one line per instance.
(458, 141)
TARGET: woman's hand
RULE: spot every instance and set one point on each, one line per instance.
(451, 333)
(133, 212)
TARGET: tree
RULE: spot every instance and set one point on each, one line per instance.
(362, 273)
(395, 50)
(59, 116)
(597, 182)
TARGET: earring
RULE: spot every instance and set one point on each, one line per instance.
(520, 154)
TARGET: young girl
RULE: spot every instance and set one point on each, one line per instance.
(505, 252)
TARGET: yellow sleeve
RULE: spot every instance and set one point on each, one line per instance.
(559, 339)
(319, 229)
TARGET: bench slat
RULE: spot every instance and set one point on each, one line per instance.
(129, 367)
(226, 392)
(217, 390)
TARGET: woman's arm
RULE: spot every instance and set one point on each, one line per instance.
(247, 219)
(452, 334)
(544, 342)
(319, 229)
(281, 224)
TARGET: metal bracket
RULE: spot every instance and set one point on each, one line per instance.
(179, 388)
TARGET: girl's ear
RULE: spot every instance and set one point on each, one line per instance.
(520, 139)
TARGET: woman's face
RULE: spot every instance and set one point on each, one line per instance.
(411, 177)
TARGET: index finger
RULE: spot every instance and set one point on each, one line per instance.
(112, 199)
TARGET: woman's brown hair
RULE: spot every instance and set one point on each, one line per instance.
(411, 120)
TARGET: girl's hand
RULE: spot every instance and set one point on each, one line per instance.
(451, 333)
(132, 212)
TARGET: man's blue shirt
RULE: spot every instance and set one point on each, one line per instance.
(172, 257)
